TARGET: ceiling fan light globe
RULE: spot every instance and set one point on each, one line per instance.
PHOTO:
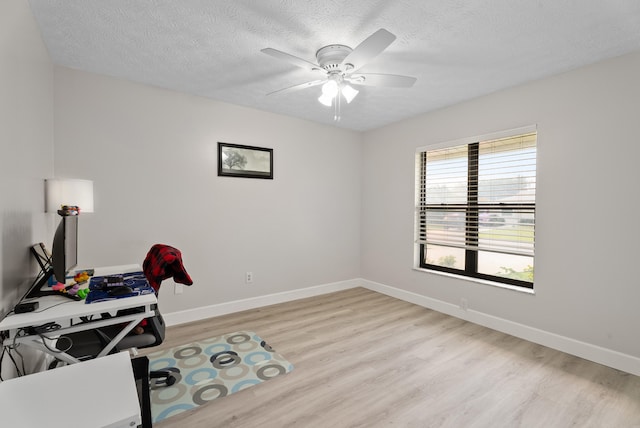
(330, 89)
(349, 93)
(325, 100)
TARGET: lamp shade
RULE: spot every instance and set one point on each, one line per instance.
(325, 100)
(330, 89)
(68, 191)
(349, 93)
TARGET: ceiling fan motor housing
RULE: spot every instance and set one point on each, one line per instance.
(330, 57)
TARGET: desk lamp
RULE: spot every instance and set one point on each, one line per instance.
(70, 192)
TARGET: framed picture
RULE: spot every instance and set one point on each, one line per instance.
(235, 160)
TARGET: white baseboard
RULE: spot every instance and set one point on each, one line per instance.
(598, 354)
(197, 314)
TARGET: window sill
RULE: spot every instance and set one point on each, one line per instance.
(477, 280)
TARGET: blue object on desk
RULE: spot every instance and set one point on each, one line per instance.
(134, 280)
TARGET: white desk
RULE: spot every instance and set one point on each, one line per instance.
(97, 393)
(67, 313)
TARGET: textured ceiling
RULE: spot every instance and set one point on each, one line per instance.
(457, 49)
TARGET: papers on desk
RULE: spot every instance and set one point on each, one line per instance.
(99, 292)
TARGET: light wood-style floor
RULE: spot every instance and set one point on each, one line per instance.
(363, 359)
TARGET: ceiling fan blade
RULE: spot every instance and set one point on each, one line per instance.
(298, 87)
(388, 80)
(369, 48)
(299, 62)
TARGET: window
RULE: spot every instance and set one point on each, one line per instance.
(475, 209)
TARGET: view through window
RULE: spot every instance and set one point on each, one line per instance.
(476, 209)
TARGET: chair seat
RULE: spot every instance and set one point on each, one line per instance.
(88, 343)
(136, 341)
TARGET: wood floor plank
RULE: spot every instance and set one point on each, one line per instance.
(363, 359)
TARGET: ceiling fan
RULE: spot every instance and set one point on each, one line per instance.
(339, 65)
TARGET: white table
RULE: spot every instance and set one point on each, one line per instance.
(96, 393)
(67, 313)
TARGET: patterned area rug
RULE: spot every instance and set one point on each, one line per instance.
(211, 369)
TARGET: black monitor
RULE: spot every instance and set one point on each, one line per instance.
(64, 251)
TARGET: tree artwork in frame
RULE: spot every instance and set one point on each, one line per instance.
(235, 160)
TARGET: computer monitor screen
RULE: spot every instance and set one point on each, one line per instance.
(65, 247)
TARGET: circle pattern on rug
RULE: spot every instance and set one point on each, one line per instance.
(203, 395)
(162, 363)
(226, 359)
(244, 384)
(246, 346)
(168, 394)
(238, 338)
(200, 375)
(257, 358)
(233, 373)
(187, 352)
(270, 371)
(212, 368)
(217, 347)
(192, 362)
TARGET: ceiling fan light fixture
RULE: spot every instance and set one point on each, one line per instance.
(325, 100)
(330, 89)
(349, 93)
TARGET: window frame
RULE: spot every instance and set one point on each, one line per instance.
(472, 209)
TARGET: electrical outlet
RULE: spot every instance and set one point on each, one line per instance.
(178, 289)
(464, 304)
(248, 278)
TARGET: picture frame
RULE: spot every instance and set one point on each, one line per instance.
(236, 160)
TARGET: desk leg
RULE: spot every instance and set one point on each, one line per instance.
(141, 373)
(120, 335)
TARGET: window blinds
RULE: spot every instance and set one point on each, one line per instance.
(479, 196)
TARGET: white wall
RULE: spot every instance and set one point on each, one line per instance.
(26, 157)
(152, 155)
(26, 147)
(587, 228)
